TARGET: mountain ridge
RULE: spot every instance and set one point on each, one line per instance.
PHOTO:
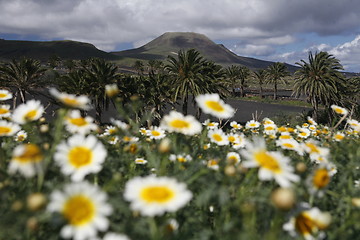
(171, 42)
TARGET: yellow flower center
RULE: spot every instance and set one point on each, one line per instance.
(232, 159)
(321, 178)
(285, 137)
(70, 101)
(31, 114)
(252, 124)
(217, 137)
(212, 163)
(177, 123)
(79, 210)
(3, 95)
(4, 110)
(78, 121)
(267, 161)
(157, 194)
(80, 156)
(288, 145)
(155, 133)
(216, 106)
(31, 153)
(181, 159)
(4, 130)
(231, 139)
(313, 147)
(304, 224)
(269, 128)
(339, 110)
(339, 137)
(304, 134)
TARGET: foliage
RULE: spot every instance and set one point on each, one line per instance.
(275, 74)
(24, 75)
(229, 201)
(320, 80)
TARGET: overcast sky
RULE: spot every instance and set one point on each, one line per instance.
(276, 30)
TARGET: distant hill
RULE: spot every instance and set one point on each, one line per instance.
(171, 42)
(12, 49)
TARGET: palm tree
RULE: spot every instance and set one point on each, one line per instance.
(98, 74)
(320, 80)
(260, 76)
(187, 78)
(275, 74)
(231, 77)
(25, 75)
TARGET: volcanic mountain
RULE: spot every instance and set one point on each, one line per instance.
(171, 42)
(13, 49)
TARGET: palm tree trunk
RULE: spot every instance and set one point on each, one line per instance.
(242, 91)
(185, 105)
(261, 92)
(275, 90)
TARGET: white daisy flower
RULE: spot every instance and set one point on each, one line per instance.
(27, 112)
(75, 123)
(233, 138)
(240, 142)
(111, 90)
(213, 105)
(270, 129)
(271, 164)
(233, 158)
(113, 140)
(26, 159)
(140, 161)
(210, 125)
(308, 223)
(80, 155)
(143, 131)
(71, 100)
(85, 209)
(252, 124)
(5, 110)
(303, 132)
(21, 136)
(319, 180)
(218, 136)
(315, 151)
(339, 136)
(155, 133)
(339, 110)
(285, 135)
(5, 95)
(235, 125)
(110, 130)
(213, 164)
(290, 144)
(115, 236)
(180, 158)
(153, 196)
(311, 121)
(8, 128)
(354, 124)
(267, 121)
(120, 124)
(177, 122)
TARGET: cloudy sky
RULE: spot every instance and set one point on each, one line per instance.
(276, 30)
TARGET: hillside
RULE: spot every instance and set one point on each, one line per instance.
(171, 42)
(11, 49)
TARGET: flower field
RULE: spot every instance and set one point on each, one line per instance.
(70, 178)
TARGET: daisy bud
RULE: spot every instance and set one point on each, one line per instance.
(355, 202)
(301, 167)
(42, 119)
(44, 128)
(32, 223)
(35, 201)
(164, 145)
(283, 198)
(230, 170)
(17, 206)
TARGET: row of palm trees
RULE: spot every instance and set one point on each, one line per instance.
(180, 78)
